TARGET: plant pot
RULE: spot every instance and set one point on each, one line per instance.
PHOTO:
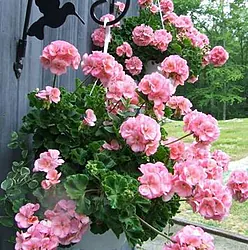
(106, 241)
(151, 67)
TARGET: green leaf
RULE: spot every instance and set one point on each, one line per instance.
(33, 184)
(63, 139)
(24, 153)
(75, 185)
(7, 184)
(78, 156)
(109, 129)
(25, 171)
(13, 145)
(6, 221)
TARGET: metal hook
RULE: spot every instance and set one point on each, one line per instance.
(99, 2)
(22, 43)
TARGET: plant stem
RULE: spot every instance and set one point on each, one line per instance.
(179, 139)
(54, 81)
(154, 229)
(80, 85)
(92, 190)
(93, 87)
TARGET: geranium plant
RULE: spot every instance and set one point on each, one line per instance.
(100, 156)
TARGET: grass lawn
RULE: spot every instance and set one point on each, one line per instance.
(234, 141)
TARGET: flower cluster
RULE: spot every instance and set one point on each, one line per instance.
(49, 94)
(58, 56)
(142, 134)
(191, 237)
(176, 68)
(158, 89)
(48, 162)
(62, 225)
(204, 127)
(156, 181)
(181, 105)
(124, 49)
(238, 185)
(212, 200)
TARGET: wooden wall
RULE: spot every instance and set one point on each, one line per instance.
(13, 101)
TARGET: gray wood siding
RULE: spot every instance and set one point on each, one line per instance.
(13, 101)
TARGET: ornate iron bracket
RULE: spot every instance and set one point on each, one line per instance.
(111, 11)
(22, 43)
(54, 17)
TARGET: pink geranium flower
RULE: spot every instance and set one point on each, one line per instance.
(144, 3)
(204, 127)
(58, 56)
(154, 9)
(142, 35)
(113, 145)
(181, 104)
(52, 178)
(191, 238)
(238, 185)
(218, 56)
(49, 94)
(134, 65)
(48, 161)
(102, 66)
(142, 134)
(167, 6)
(156, 181)
(89, 118)
(175, 67)
(161, 40)
(25, 218)
(98, 37)
(124, 49)
(120, 6)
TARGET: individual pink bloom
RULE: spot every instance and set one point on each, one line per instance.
(49, 94)
(161, 40)
(238, 185)
(182, 188)
(142, 35)
(134, 65)
(198, 39)
(98, 37)
(167, 6)
(213, 171)
(177, 149)
(89, 118)
(204, 127)
(212, 200)
(156, 180)
(157, 87)
(113, 145)
(67, 225)
(222, 159)
(52, 178)
(110, 18)
(48, 161)
(25, 218)
(115, 90)
(193, 79)
(191, 238)
(159, 110)
(59, 66)
(218, 56)
(144, 3)
(170, 17)
(154, 9)
(183, 22)
(120, 6)
(181, 104)
(102, 66)
(142, 134)
(58, 56)
(175, 67)
(124, 49)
